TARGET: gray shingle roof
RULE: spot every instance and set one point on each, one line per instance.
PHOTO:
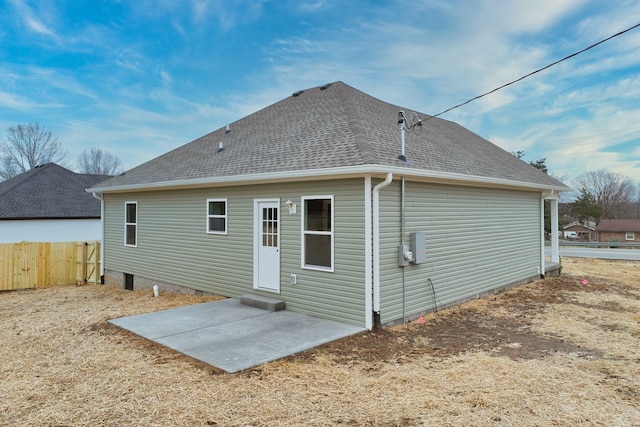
(47, 192)
(331, 126)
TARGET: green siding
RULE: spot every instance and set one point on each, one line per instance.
(477, 240)
(173, 245)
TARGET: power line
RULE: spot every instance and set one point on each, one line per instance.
(534, 72)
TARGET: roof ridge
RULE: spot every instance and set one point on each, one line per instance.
(21, 179)
(49, 191)
(25, 177)
(355, 123)
(328, 127)
(355, 126)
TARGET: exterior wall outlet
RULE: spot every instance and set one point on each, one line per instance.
(293, 279)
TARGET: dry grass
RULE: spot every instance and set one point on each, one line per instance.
(554, 352)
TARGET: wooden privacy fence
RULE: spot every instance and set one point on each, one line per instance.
(37, 264)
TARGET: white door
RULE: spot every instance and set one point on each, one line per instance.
(266, 267)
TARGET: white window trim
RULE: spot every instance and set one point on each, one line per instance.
(126, 204)
(225, 216)
(330, 269)
(629, 233)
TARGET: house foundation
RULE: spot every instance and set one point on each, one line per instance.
(119, 279)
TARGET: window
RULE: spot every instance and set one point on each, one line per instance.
(270, 227)
(317, 233)
(629, 235)
(217, 216)
(131, 224)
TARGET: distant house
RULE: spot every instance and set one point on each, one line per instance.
(49, 204)
(578, 231)
(344, 206)
(618, 230)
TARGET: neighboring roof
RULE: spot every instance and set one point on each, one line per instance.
(331, 130)
(592, 225)
(619, 225)
(49, 192)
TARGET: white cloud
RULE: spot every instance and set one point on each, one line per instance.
(166, 77)
(296, 46)
(426, 56)
(14, 101)
(128, 58)
(574, 142)
(137, 135)
(199, 10)
(310, 6)
(34, 20)
(38, 26)
(63, 81)
(517, 16)
(469, 51)
(229, 14)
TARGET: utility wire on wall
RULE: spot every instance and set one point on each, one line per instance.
(533, 72)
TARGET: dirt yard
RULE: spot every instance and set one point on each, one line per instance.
(556, 352)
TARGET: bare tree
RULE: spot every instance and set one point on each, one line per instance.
(610, 190)
(7, 168)
(99, 162)
(632, 209)
(27, 146)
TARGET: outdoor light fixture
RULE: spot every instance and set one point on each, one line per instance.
(291, 206)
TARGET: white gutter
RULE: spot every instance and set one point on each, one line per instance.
(99, 197)
(332, 173)
(376, 241)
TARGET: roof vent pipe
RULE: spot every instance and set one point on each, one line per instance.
(227, 129)
(220, 146)
(402, 120)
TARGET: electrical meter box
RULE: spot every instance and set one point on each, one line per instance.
(405, 256)
(419, 247)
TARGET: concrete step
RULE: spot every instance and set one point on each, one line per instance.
(264, 303)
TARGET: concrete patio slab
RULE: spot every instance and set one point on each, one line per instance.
(232, 336)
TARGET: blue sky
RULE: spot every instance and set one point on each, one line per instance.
(139, 78)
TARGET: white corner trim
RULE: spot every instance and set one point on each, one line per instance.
(368, 255)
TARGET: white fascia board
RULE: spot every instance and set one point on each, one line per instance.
(473, 180)
(333, 173)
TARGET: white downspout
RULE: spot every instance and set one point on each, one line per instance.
(368, 256)
(99, 197)
(376, 241)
